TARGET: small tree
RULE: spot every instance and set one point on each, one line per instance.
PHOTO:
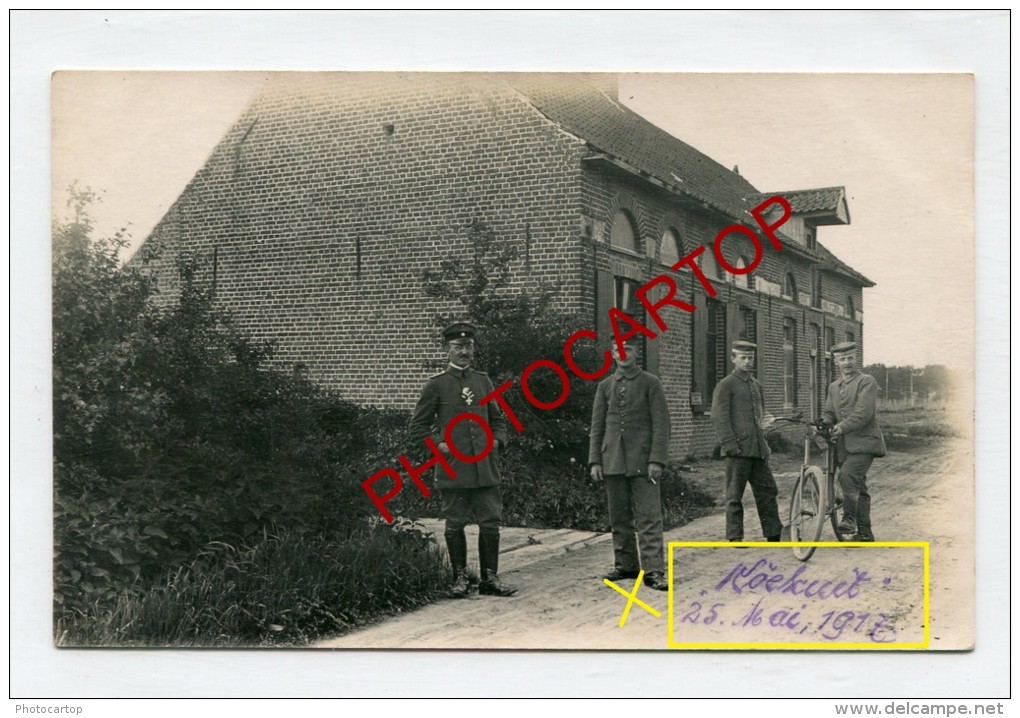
(518, 325)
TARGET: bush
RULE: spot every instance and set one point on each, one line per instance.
(779, 443)
(171, 432)
(538, 495)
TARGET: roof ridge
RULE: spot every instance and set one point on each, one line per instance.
(807, 189)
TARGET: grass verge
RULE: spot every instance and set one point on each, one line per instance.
(287, 590)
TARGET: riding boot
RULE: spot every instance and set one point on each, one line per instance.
(488, 557)
(456, 545)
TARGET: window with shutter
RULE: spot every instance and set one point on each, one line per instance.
(789, 363)
(830, 339)
(624, 298)
(748, 325)
(700, 399)
(605, 298)
(817, 371)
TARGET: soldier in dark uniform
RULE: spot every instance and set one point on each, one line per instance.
(738, 414)
(474, 490)
(850, 409)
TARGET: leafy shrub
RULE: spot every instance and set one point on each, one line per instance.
(779, 443)
(538, 495)
(171, 432)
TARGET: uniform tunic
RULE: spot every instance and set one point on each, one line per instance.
(851, 405)
(738, 409)
(445, 397)
(629, 430)
(629, 423)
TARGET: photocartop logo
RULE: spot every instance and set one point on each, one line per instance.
(620, 336)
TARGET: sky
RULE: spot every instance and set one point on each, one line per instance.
(900, 144)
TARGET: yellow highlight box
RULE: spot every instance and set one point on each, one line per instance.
(717, 620)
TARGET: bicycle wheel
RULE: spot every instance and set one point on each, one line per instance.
(806, 511)
(836, 505)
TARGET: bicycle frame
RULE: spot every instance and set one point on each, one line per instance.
(815, 495)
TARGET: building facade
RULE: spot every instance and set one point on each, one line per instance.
(317, 214)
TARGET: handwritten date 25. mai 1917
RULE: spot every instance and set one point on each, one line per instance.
(832, 624)
(758, 582)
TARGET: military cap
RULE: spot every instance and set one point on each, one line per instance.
(459, 330)
(844, 347)
(742, 345)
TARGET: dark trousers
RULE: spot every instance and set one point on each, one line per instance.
(741, 471)
(483, 506)
(635, 508)
(853, 478)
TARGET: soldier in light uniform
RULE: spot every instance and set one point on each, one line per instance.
(474, 490)
(850, 410)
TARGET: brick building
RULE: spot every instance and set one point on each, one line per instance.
(318, 212)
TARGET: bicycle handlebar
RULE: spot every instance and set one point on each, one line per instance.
(821, 427)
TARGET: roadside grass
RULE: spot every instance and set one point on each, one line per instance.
(287, 590)
(912, 428)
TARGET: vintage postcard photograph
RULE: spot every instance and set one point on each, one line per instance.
(407, 360)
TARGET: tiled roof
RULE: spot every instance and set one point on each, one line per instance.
(586, 111)
(812, 200)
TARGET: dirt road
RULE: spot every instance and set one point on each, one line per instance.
(925, 495)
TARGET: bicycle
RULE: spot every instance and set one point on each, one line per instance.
(817, 494)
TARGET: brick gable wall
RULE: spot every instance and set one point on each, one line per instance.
(328, 199)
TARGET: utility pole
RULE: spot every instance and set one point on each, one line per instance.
(920, 372)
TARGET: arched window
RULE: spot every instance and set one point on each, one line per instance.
(741, 280)
(623, 235)
(790, 287)
(709, 267)
(669, 253)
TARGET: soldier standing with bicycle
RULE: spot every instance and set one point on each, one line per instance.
(850, 410)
